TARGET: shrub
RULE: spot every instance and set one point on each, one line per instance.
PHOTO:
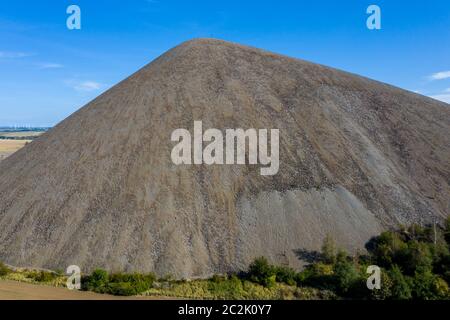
(428, 286)
(440, 256)
(384, 292)
(317, 275)
(223, 288)
(122, 284)
(122, 289)
(416, 256)
(346, 276)
(42, 276)
(148, 278)
(97, 281)
(286, 275)
(401, 285)
(442, 266)
(441, 288)
(260, 271)
(387, 248)
(4, 270)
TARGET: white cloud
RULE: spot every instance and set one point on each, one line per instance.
(440, 75)
(87, 86)
(13, 55)
(84, 86)
(49, 65)
(442, 97)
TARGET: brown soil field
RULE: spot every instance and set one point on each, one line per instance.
(14, 290)
(21, 133)
(8, 147)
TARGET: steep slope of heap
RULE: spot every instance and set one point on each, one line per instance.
(100, 189)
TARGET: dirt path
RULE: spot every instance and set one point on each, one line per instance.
(14, 290)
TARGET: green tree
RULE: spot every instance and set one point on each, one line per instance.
(285, 274)
(328, 250)
(416, 256)
(400, 285)
(133, 283)
(260, 271)
(317, 275)
(388, 248)
(346, 276)
(384, 292)
(428, 286)
(441, 288)
(98, 281)
(122, 289)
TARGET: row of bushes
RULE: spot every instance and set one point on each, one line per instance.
(18, 138)
(415, 264)
(41, 276)
(234, 287)
(118, 283)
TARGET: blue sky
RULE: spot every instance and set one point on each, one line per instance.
(48, 71)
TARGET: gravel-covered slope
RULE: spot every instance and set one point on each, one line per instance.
(100, 189)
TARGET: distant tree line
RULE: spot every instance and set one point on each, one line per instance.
(18, 137)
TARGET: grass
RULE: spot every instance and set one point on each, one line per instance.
(33, 276)
(235, 289)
